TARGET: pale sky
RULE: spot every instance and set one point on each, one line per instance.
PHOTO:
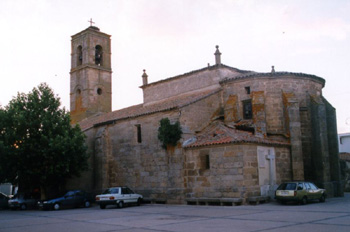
(172, 37)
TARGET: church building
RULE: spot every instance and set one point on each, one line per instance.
(243, 132)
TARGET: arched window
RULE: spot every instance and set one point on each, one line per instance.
(80, 55)
(98, 55)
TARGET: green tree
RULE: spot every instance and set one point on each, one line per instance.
(169, 134)
(38, 146)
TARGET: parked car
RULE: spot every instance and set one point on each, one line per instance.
(119, 196)
(301, 192)
(72, 199)
(23, 201)
(4, 201)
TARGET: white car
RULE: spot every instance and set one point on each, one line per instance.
(119, 196)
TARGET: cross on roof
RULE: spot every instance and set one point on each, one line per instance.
(91, 22)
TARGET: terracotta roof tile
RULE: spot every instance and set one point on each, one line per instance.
(344, 156)
(140, 110)
(275, 74)
(219, 133)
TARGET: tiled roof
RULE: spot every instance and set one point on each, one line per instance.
(270, 74)
(140, 110)
(218, 133)
(212, 67)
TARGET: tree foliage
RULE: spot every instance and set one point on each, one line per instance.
(38, 146)
(169, 134)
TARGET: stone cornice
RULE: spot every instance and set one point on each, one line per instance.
(83, 66)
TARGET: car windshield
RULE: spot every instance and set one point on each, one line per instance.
(313, 187)
(69, 194)
(287, 186)
(111, 191)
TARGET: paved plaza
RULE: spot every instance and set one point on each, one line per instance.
(333, 215)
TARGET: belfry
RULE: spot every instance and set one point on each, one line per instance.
(91, 74)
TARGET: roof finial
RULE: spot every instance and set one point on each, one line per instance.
(144, 77)
(273, 69)
(217, 56)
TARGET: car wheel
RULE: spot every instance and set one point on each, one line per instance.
(139, 202)
(304, 201)
(121, 204)
(323, 198)
(87, 204)
(23, 207)
(56, 206)
(102, 206)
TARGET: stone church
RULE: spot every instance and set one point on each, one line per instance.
(244, 132)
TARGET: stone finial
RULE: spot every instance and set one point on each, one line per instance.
(217, 55)
(273, 69)
(144, 77)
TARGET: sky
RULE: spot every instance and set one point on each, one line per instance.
(172, 37)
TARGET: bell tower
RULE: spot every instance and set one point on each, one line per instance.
(90, 74)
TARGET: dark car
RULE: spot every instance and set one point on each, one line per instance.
(4, 201)
(23, 201)
(72, 199)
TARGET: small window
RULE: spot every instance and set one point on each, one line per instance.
(287, 186)
(300, 186)
(139, 136)
(78, 91)
(307, 186)
(99, 91)
(205, 162)
(129, 191)
(111, 191)
(247, 109)
(247, 90)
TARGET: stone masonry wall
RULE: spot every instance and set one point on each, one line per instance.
(198, 115)
(333, 147)
(207, 78)
(272, 88)
(119, 159)
(232, 171)
(146, 166)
